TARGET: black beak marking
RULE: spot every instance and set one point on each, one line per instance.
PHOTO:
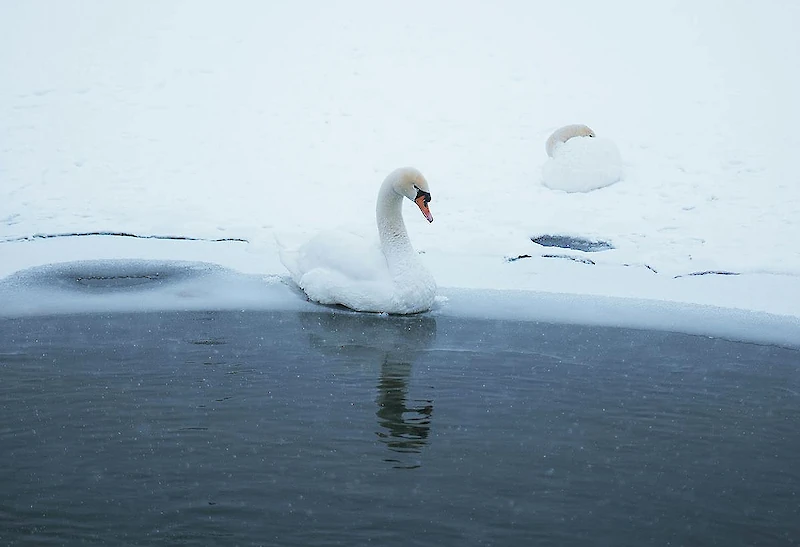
(426, 196)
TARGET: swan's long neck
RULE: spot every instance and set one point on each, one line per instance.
(392, 230)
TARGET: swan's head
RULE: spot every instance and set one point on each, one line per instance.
(410, 183)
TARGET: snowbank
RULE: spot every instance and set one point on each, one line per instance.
(141, 286)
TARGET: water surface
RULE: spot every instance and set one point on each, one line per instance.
(328, 428)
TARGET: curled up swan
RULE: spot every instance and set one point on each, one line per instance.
(339, 267)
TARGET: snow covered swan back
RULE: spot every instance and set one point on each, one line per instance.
(580, 161)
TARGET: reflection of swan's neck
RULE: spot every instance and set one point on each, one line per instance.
(392, 229)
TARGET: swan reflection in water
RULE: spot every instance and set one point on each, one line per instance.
(394, 343)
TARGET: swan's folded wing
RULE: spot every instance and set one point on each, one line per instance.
(351, 255)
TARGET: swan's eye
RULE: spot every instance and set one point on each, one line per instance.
(426, 196)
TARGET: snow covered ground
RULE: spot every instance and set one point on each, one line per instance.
(217, 120)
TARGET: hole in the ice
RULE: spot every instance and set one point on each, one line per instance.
(572, 242)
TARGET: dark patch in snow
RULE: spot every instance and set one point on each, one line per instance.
(574, 243)
(110, 275)
(645, 265)
(121, 234)
(97, 281)
(707, 272)
(568, 257)
(515, 258)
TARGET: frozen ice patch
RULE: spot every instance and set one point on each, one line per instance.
(99, 286)
(112, 275)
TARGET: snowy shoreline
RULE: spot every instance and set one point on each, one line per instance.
(758, 308)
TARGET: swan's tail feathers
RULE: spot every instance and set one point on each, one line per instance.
(279, 240)
(288, 258)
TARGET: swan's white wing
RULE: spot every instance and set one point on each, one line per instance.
(350, 255)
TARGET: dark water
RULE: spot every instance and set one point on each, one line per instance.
(339, 429)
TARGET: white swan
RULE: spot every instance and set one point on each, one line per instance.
(342, 268)
(578, 163)
(563, 134)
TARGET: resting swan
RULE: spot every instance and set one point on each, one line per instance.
(343, 268)
(578, 163)
(563, 134)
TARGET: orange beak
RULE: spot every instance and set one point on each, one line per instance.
(420, 201)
